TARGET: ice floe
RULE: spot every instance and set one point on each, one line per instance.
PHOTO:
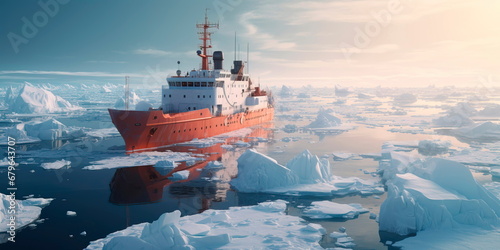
(476, 157)
(433, 147)
(483, 131)
(27, 211)
(465, 238)
(329, 209)
(56, 165)
(260, 173)
(140, 159)
(261, 226)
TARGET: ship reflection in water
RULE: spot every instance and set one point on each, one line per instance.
(147, 184)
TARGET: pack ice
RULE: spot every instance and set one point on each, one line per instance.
(31, 99)
(263, 226)
(305, 174)
(433, 194)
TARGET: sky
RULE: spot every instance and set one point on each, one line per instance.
(393, 43)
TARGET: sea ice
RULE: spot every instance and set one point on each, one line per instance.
(325, 120)
(180, 175)
(32, 99)
(140, 159)
(433, 147)
(456, 116)
(476, 157)
(46, 130)
(134, 99)
(306, 174)
(463, 238)
(56, 165)
(405, 98)
(143, 106)
(261, 226)
(342, 156)
(27, 211)
(329, 209)
(19, 134)
(491, 111)
(71, 213)
(483, 131)
(434, 193)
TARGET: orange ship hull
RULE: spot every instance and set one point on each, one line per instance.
(152, 129)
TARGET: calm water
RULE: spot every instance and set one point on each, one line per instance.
(109, 200)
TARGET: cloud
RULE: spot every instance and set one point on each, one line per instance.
(265, 40)
(152, 52)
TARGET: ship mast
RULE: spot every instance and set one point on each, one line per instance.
(205, 36)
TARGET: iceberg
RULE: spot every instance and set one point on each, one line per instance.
(40, 101)
(258, 172)
(19, 133)
(262, 226)
(134, 99)
(47, 130)
(306, 174)
(425, 194)
(325, 120)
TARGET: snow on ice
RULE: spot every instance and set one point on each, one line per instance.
(306, 174)
(262, 226)
(27, 211)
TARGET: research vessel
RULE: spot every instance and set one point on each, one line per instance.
(198, 104)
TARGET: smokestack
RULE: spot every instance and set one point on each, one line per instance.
(218, 57)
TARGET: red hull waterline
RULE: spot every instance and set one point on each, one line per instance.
(143, 130)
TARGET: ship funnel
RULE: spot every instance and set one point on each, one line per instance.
(218, 58)
(237, 67)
